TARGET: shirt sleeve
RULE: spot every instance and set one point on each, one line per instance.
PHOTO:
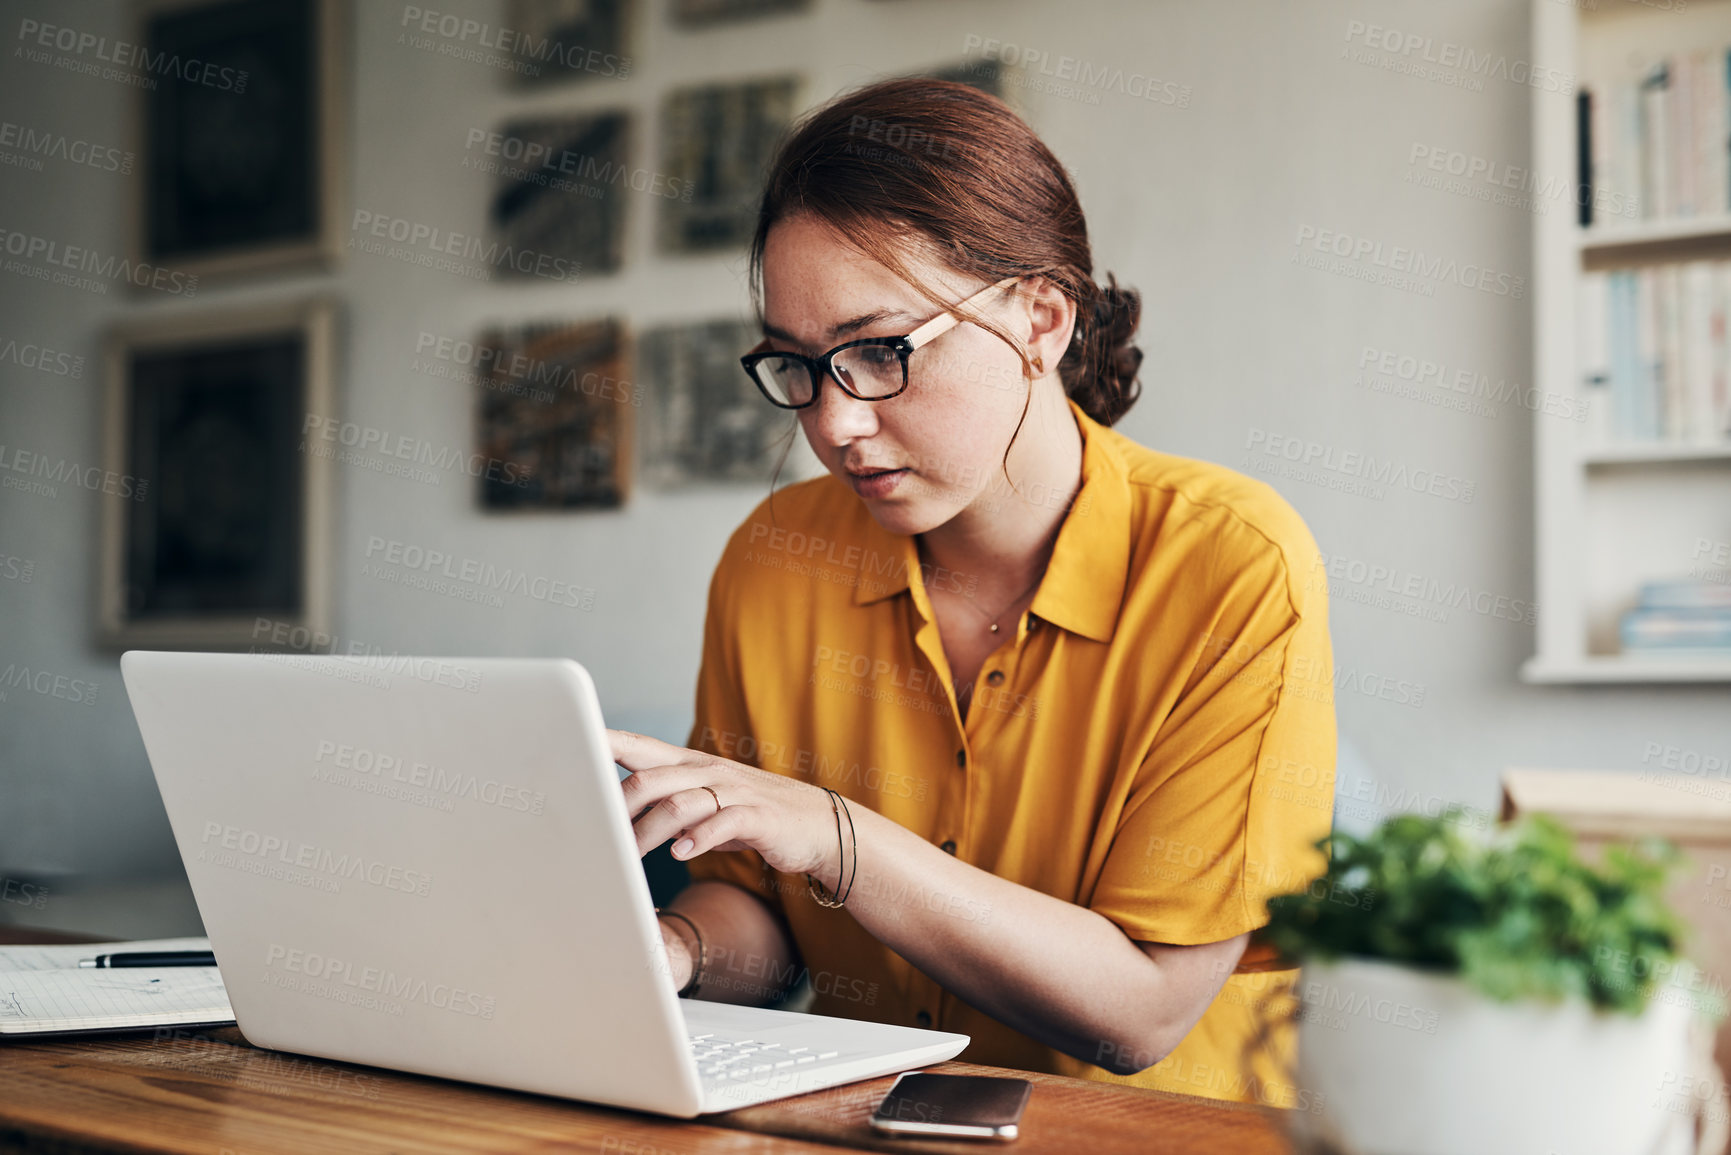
(1225, 809)
(722, 727)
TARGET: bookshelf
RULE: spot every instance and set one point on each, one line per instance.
(1614, 511)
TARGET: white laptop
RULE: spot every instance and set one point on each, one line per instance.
(426, 864)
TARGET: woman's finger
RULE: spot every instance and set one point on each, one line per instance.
(641, 752)
(678, 811)
(733, 825)
(644, 788)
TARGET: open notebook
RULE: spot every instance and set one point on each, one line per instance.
(43, 990)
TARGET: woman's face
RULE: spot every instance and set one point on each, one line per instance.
(943, 437)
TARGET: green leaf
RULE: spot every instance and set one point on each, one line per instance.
(1518, 914)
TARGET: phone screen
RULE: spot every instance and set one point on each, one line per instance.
(982, 1106)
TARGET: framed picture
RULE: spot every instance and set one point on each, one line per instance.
(220, 514)
(705, 420)
(695, 12)
(570, 202)
(569, 39)
(239, 132)
(717, 141)
(556, 414)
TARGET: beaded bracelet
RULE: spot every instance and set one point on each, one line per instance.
(690, 987)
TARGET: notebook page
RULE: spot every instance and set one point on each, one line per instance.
(92, 999)
(41, 958)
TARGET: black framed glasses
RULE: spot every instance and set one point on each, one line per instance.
(871, 369)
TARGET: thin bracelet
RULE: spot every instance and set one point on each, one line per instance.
(691, 984)
(854, 852)
(816, 888)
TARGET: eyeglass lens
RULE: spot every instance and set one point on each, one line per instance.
(870, 371)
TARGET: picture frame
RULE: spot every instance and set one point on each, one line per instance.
(571, 204)
(559, 41)
(220, 514)
(556, 410)
(717, 140)
(243, 157)
(706, 422)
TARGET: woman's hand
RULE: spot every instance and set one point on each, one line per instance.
(715, 804)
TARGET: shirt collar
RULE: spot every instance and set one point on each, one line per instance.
(1083, 587)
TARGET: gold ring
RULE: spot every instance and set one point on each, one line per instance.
(717, 798)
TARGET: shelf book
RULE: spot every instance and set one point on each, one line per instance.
(1653, 137)
(1654, 358)
(1632, 311)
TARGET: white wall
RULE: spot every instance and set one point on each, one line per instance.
(1197, 206)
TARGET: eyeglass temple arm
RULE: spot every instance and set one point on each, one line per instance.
(948, 319)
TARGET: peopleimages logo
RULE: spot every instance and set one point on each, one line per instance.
(538, 162)
(482, 575)
(429, 245)
(59, 470)
(46, 259)
(1352, 470)
(1432, 59)
(522, 47)
(32, 356)
(1086, 77)
(1398, 265)
(138, 57)
(358, 760)
(401, 446)
(48, 684)
(35, 144)
(335, 974)
(306, 856)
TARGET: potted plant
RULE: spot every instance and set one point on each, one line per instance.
(1467, 995)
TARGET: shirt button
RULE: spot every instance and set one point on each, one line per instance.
(996, 677)
(961, 757)
(949, 846)
(923, 1019)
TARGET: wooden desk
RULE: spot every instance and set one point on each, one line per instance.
(210, 1091)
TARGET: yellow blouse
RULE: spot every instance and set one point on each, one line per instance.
(1155, 741)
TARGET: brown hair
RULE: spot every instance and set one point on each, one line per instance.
(946, 162)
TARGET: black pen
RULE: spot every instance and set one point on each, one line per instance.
(153, 958)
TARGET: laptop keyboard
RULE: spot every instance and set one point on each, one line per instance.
(723, 1058)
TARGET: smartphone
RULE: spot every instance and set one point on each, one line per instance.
(957, 1106)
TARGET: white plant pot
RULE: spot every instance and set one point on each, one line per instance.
(1398, 1061)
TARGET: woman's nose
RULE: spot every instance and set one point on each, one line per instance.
(839, 417)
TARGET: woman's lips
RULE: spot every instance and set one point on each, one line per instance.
(879, 484)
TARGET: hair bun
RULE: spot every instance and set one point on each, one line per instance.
(1106, 385)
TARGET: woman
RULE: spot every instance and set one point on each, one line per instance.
(1071, 695)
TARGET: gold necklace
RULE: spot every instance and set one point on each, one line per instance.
(993, 618)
